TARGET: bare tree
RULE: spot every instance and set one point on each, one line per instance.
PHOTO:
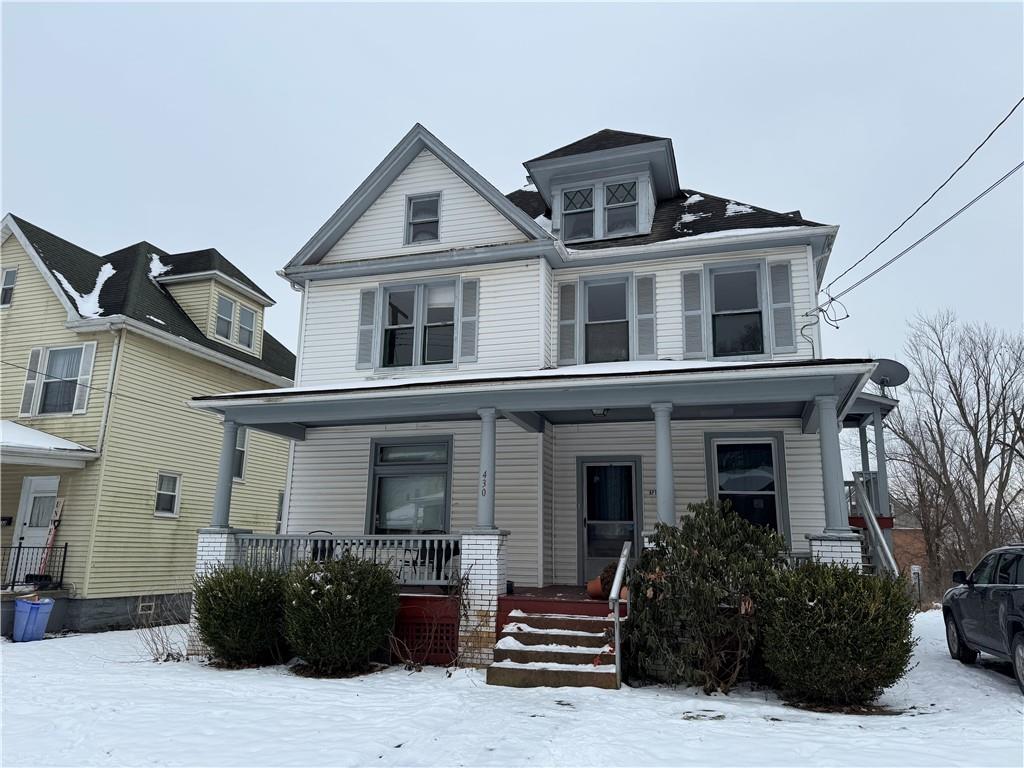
(959, 430)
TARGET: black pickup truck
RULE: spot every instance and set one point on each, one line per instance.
(985, 611)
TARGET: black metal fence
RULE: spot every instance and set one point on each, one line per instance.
(41, 567)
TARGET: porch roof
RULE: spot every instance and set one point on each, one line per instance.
(23, 445)
(574, 394)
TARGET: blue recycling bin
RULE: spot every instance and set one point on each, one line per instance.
(30, 619)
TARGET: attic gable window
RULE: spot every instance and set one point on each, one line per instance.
(423, 219)
(578, 214)
(620, 209)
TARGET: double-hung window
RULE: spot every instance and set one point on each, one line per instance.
(606, 326)
(423, 219)
(745, 477)
(225, 317)
(246, 326)
(737, 326)
(410, 482)
(168, 494)
(578, 214)
(419, 325)
(60, 380)
(620, 208)
(238, 458)
(7, 281)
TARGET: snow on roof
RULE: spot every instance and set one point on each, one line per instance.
(156, 267)
(14, 435)
(155, 319)
(88, 304)
(686, 218)
(733, 208)
(625, 368)
(693, 199)
(544, 222)
(736, 233)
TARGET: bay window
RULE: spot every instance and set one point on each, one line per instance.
(410, 479)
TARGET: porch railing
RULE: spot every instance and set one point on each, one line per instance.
(877, 546)
(40, 567)
(424, 560)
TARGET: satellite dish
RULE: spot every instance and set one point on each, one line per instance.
(890, 373)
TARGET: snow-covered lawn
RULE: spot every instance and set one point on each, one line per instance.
(94, 700)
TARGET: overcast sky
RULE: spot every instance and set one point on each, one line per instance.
(243, 127)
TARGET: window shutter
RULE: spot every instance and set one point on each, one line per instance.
(782, 307)
(367, 322)
(693, 315)
(567, 324)
(646, 338)
(84, 377)
(32, 378)
(469, 323)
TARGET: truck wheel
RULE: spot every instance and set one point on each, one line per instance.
(955, 642)
(1017, 654)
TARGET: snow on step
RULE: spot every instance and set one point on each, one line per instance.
(519, 627)
(556, 667)
(516, 612)
(511, 644)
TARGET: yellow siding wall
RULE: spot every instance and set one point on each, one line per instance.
(151, 428)
(36, 318)
(195, 298)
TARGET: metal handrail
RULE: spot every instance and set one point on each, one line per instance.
(877, 541)
(613, 605)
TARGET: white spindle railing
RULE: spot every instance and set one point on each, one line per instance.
(423, 560)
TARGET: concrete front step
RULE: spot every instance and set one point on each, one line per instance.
(530, 636)
(527, 655)
(518, 675)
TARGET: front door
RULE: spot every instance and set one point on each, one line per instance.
(608, 512)
(32, 526)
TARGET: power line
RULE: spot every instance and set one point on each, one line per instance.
(928, 199)
(912, 246)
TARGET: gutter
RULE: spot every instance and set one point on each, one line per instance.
(118, 338)
(119, 322)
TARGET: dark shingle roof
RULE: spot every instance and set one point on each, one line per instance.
(530, 201)
(603, 139)
(689, 213)
(129, 291)
(209, 260)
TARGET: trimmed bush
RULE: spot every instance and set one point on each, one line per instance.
(339, 613)
(240, 616)
(835, 636)
(696, 594)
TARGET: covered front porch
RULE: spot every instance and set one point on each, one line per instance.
(562, 465)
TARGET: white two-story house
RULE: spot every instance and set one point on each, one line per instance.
(556, 370)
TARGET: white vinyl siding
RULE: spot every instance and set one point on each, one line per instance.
(508, 325)
(466, 219)
(330, 476)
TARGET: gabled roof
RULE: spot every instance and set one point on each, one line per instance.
(128, 290)
(414, 142)
(606, 138)
(689, 214)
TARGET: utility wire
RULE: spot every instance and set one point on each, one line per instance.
(823, 308)
(929, 198)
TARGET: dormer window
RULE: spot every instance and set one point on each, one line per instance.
(423, 219)
(578, 214)
(246, 326)
(620, 209)
(225, 317)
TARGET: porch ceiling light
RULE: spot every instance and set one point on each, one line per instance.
(599, 411)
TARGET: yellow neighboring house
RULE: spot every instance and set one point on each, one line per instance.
(100, 355)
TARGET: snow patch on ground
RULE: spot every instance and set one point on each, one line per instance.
(98, 700)
(88, 304)
(733, 208)
(156, 267)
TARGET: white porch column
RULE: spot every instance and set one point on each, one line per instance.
(215, 548)
(664, 483)
(485, 484)
(881, 470)
(222, 497)
(482, 559)
(865, 462)
(836, 518)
